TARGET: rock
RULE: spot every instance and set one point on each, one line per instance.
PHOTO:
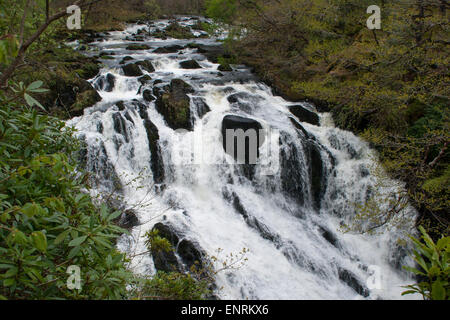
(105, 83)
(146, 65)
(247, 125)
(132, 70)
(225, 67)
(168, 49)
(350, 279)
(201, 107)
(212, 52)
(84, 100)
(138, 47)
(147, 95)
(120, 126)
(165, 260)
(121, 105)
(156, 159)
(252, 222)
(292, 180)
(189, 64)
(168, 232)
(126, 59)
(305, 115)
(329, 236)
(318, 180)
(299, 127)
(128, 219)
(174, 105)
(145, 79)
(189, 254)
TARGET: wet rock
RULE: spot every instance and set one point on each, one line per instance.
(305, 115)
(126, 59)
(168, 49)
(299, 127)
(105, 83)
(201, 107)
(120, 126)
(156, 159)
(128, 219)
(147, 95)
(329, 236)
(146, 65)
(145, 79)
(189, 254)
(318, 183)
(251, 128)
(121, 105)
(292, 180)
(165, 260)
(174, 104)
(350, 279)
(132, 70)
(189, 64)
(168, 232)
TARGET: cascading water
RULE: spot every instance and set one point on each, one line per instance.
(288, 220)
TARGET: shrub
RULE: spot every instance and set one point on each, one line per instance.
(47, 221)
(434, 268)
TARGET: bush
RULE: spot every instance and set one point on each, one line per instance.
(47, 221)
(434, 268)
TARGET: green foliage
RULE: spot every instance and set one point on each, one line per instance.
(173, 286)
(433, 260)
(221, 10)
(47, 221)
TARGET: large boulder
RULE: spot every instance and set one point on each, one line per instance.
(248, 151)
(146, 65)
(304, 115)
(165, 260)
(174, 104)
(189, 64)
(189, 254)
(132, 70)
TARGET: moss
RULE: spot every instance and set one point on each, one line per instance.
(84, 100)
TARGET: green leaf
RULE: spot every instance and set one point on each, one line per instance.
(437, 291)
(77, 241)
(61, 237)
(32, 101)
(35, 85)
(30, 209)
(39, 240)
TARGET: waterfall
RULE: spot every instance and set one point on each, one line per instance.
(288, 220)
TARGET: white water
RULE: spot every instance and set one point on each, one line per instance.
(301, 263)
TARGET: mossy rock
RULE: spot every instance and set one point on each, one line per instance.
(175, 30)
(225, 67)
(84, 100)
(132, 70)
(174, 105)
